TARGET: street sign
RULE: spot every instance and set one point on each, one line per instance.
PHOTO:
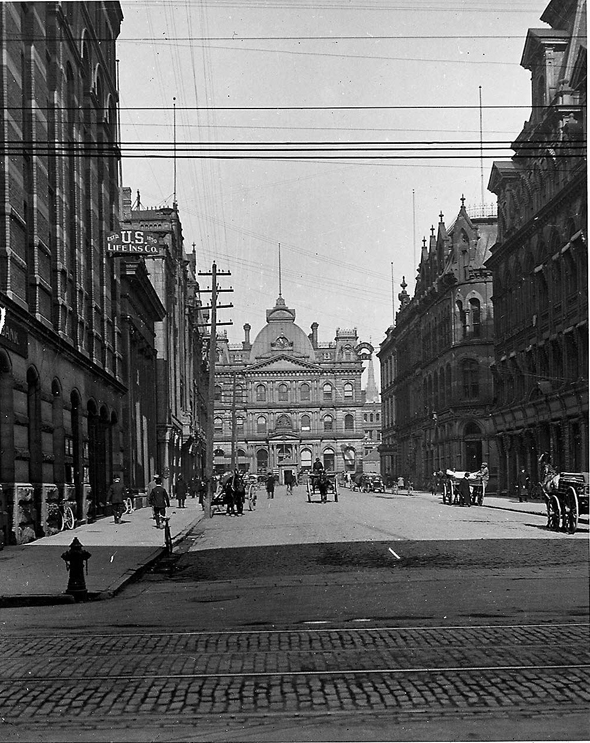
(132, 242)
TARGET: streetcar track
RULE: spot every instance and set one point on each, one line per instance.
(294, 631)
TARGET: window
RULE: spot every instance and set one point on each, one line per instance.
(262, 460)
(260, 393)
(304, 392)
(371, 417)
(475, 307)
(240, 394)
(470, 379)
(462, 318)
(328, 423)
(261, 424)
(349, 422)
(377, 417)
(283, 393)
(305, 458)
(217, 395)
(329, 459)
(365, 417)
(348, 391)
(327, 390)
(240, 426)
(305, 423)
(218, 425)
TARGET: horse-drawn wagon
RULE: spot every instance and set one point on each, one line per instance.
(316, 483)
(450, 487)
(566, 496)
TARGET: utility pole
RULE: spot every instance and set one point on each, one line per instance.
(215, 290)
(234, 428)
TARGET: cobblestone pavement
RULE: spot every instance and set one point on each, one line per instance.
(88, 680)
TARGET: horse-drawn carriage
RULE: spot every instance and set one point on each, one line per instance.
(450, 487)
(314, 486)
(566, 496)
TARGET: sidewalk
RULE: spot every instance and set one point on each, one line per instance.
(34, 574)
(504, 502)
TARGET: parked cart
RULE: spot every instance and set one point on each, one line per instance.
(566, 496)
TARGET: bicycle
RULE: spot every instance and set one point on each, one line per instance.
(167, 534)
(60, 517)
(128, 506)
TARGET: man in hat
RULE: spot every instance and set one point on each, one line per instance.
(116, 495)
(159, 500)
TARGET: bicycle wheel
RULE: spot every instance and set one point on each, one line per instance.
(68, 518)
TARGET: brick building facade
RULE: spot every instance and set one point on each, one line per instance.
(60, 347)
(540, 260)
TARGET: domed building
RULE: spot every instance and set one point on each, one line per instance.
(286, 398)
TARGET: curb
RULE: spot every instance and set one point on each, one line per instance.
(19, 601)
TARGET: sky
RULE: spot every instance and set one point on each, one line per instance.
(337, 129)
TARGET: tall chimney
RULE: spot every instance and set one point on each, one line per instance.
(246, 343)
(314, 335)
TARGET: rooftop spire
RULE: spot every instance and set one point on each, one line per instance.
(371, 391)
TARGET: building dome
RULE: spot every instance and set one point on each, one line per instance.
(281, 335)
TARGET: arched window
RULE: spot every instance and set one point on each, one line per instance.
(349, 422)
(348, 391)
(218, 425)
(305, 423)
(328, 423)
(462, 318)
(283, 393)
(262, 460)
(240, 425)
(260, 393)
(470, 369)
(329, 460)
(305, 458)
(475, 307)
(261, 424)
(217, 394)
(371, 417)
(304, 392)
(327, 390)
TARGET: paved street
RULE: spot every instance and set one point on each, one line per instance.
(321, 622)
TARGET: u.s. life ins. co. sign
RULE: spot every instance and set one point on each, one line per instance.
(132, 242)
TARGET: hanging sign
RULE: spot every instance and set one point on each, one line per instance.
(130, 242)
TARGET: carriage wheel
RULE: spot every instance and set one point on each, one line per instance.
(571, 511)
(553, 513)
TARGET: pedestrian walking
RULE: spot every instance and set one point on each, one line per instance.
(400, 483)
(523, 485)
(181, 491)
(464, 490)
(239, 493)
(270, 485)
(202, 491)
(289, 482)
(159, 500)
(115, 496)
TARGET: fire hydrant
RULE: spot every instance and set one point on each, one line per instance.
(76, 559)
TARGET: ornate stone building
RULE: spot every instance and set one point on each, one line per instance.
(286, 398)
(540, 260)
(178, 395)
(61, 378)
(436, 383)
